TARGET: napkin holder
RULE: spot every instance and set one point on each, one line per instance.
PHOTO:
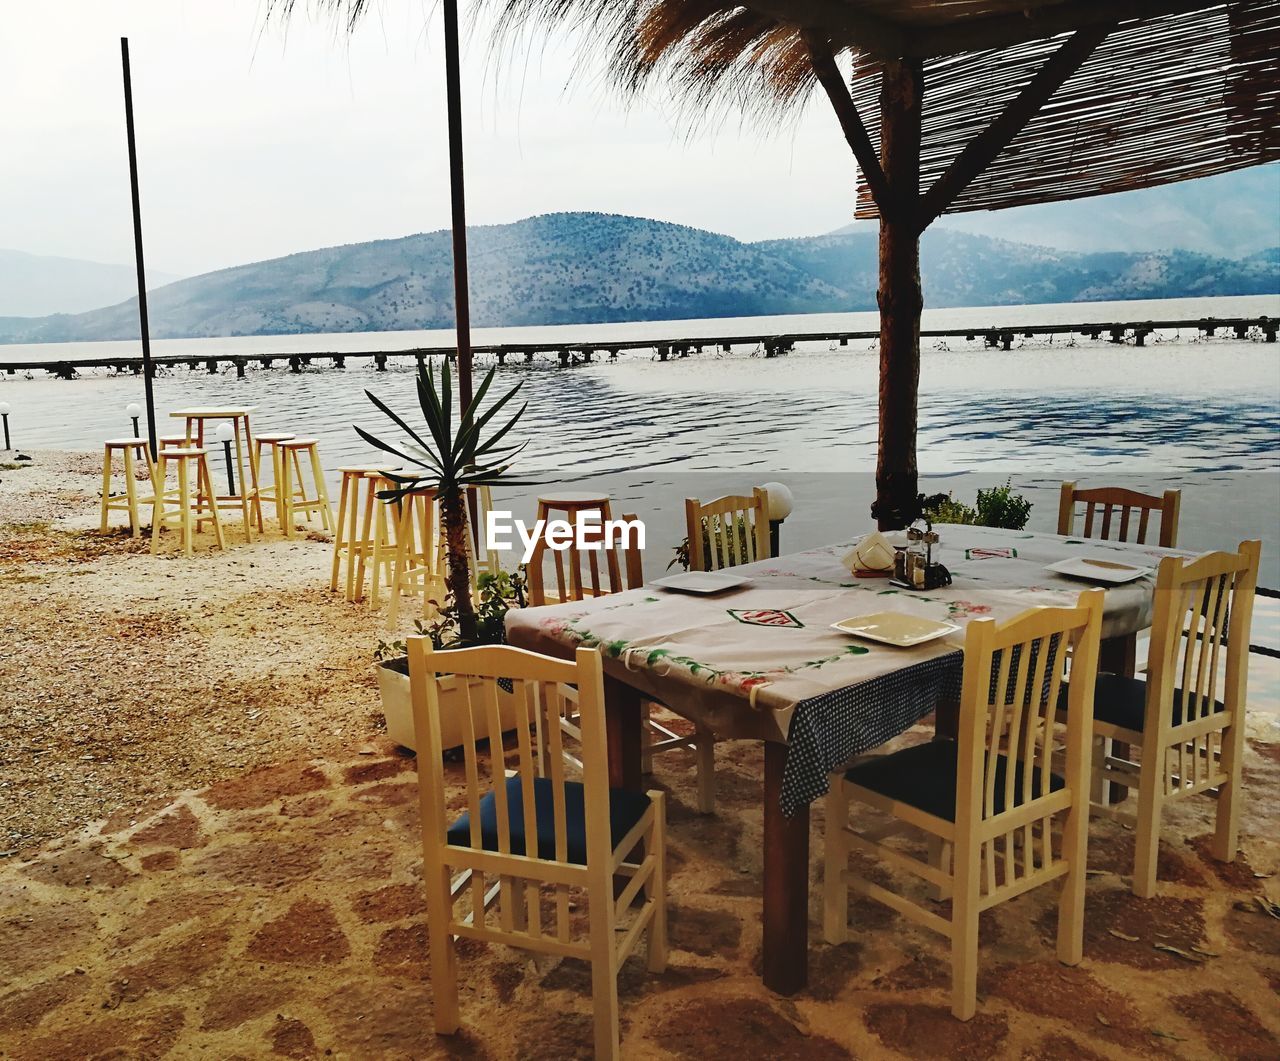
(873, 557)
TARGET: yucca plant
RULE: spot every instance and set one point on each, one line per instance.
(452, 460)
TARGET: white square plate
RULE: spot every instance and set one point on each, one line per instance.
(895, 628)
(1097, 570)
(703, 582)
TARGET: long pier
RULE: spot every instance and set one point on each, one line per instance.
(665, 349)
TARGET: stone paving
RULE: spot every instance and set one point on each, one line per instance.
(279, 914)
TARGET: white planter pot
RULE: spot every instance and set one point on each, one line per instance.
(397, 709)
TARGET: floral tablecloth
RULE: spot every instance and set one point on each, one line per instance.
(762, 661)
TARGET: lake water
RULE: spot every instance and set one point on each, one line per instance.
(1203, 414)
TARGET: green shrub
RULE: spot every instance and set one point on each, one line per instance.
(998, 507)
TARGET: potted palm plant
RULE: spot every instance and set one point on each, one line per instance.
(454, 457)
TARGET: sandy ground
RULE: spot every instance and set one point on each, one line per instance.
(127, 676)
(211, 852)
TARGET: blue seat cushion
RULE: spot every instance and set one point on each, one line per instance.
(625, 810)
(924, 776)
(1121, 701)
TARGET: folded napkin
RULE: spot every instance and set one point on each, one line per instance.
(873, 553)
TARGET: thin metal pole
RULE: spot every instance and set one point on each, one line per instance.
(457, 194)
(147, 370)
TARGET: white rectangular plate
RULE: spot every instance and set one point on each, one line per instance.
(1096, 569)
(701, 581)
(895, 628)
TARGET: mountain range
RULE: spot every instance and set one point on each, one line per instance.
(591, 267)
(37, 284)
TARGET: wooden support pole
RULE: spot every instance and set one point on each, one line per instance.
(822, 56)
(899, 296)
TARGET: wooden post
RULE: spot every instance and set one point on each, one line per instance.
(899, 297)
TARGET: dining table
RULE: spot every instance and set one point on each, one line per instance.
(761, 661)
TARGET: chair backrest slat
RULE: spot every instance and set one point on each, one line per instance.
(728, 531)
(1112, 499)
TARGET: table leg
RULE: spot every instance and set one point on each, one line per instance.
(786, 883)
(1119, 655)
(246, 502)
(623, 729)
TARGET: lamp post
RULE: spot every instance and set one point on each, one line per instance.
(135, 411)
(780, 505)
(225, 434)
(4, 415)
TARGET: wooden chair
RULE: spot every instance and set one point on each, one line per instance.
(584, 573)
(1189, 738)
(533, 835)
(1113, 499)
(717, 540)
(987, 801)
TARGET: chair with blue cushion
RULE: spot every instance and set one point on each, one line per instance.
(1186, 719)
(987, 802)
(531, 840)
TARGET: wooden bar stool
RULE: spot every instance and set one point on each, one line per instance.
(356, 494)
(246, 466)
(271, 440)
(419, 554)
(381, 535)
(182, 510)
(293, 488)
(572, 504)
(131, 450)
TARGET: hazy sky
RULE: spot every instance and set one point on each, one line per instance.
(257, 140)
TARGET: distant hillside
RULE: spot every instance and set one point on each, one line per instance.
(1229, 215)
(588, 268)
(36, 284)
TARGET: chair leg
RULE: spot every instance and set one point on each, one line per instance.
(340, 538)
(705, 749)
(604, 999)
(106, 489)
(131, 494)
(322, 494)
(444, 956)
(285, 492)
(157, 507)
(939, 854)
(184, 495)
(835, 892)
(1097, 786)
(1147, 831)
(1075, 845)
(1226, 833)
(964, 935)
(657, 943)
(207, 474)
